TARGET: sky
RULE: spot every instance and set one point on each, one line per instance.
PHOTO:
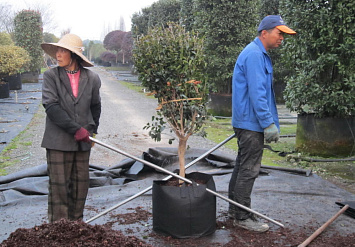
(89, 19)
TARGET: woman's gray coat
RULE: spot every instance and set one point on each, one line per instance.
(65, 113)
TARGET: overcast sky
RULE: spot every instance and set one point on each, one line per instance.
(89, 19)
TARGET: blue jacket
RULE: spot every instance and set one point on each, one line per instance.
(253, 99)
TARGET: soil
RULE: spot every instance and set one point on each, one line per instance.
(176, 182)
(77, 233)
(70, 233)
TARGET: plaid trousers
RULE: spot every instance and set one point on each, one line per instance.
(68, 184)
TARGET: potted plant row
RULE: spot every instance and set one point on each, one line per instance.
(12, 60)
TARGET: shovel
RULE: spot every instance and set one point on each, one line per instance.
(181, 178)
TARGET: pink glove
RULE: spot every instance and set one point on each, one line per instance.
(82, 135)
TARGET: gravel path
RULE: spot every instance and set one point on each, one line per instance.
(124, 114)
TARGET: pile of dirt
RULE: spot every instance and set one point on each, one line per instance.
(70, 233)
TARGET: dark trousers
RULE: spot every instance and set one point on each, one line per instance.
(68, 184)
(246, 170)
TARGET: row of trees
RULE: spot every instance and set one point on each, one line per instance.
(318, 63)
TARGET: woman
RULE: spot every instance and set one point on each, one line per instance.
(71, 98)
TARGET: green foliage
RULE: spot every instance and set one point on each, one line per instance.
(171, 64)
(187, 18)
(269, 7)
(28, 34)
(12, 59)
(50, 38)
(5, 39)
(228, 26)
(322, 55)
(158, 14)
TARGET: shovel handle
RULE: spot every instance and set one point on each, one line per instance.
(322, 228)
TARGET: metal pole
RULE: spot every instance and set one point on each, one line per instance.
(166, 178)
(184, 179)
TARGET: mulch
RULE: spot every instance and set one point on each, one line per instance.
(70, 233)
(77, 233)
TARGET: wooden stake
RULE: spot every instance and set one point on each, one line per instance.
(321, 229)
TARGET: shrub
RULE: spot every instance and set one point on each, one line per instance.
(322, 55)
(12, 59)
(5, 39)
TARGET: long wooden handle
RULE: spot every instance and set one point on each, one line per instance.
(321, 229)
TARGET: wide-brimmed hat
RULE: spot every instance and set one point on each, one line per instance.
(70, 42)
(272, 21)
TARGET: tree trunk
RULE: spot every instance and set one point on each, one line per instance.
(181, 153)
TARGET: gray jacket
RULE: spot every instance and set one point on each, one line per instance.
(65, 113)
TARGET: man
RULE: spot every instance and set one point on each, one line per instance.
(254, 115)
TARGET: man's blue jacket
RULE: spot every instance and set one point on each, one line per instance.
(253, 99)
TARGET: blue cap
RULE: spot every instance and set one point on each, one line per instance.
(272, 21)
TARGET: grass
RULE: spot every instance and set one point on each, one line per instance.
(17, 142)
(20, 142)
(219, 129)
(121, 68)
(340, 173)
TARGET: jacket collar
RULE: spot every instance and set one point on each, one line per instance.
(260, 45)
(65, 80)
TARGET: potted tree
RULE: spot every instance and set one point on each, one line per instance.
(12, 59)
(322, 87)
(171, 65)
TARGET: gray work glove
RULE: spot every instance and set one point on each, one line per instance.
(271, 133)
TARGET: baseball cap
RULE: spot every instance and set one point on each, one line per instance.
(272, 21)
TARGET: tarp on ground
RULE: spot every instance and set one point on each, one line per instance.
(296, 201)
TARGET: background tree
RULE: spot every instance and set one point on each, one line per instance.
(171, 64)
(50, 38)
(228, 26)
(159, 13)
(120, 42)
(96, 50)
(127, 46)
(108, 57)
(28, 34)
(140, 22)
(164, 11)
(322, 55)
(7, 18)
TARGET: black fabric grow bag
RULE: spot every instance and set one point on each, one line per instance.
(188, 211)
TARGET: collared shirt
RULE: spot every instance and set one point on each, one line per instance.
(74, 82)
(254, 106)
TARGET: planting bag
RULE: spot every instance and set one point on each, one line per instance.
(188, 211)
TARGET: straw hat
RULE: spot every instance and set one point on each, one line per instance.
(70, 42)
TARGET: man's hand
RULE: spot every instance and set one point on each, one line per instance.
(271, 133)
(82, 135)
